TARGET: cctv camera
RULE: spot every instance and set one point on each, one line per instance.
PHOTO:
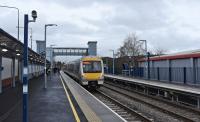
(34, 14)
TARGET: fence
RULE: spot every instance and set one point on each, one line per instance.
(183, 75)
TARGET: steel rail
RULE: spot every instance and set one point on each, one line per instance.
(133, 113)
(173, 114)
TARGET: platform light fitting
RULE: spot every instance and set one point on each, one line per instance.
(3, 44)
(4, 50)
(18, 54)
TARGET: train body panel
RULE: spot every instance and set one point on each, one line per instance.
(92, 76)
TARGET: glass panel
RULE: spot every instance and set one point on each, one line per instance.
(92, 67)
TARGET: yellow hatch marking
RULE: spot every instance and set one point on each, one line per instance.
(71, 104)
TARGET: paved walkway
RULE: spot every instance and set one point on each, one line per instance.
(45, 105)
(8, 99)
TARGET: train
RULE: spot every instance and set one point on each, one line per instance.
(88, 71)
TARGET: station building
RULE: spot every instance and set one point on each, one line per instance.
(11, 61)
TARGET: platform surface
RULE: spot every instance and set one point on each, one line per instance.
(93, 109)
(177, 87)
(46, 105)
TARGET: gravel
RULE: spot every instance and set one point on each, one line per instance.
(148, 111)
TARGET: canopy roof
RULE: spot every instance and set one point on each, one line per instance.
(10, 47)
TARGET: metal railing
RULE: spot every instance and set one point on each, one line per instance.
(183, 75)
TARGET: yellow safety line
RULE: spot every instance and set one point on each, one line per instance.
(71, 104)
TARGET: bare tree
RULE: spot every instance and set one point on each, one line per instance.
(131, 46)
(160, 51)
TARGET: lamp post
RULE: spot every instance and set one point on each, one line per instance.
(17, 17)
(146, 56)
(45, 63)
(25, 64)
(51, 47)
(113, 61)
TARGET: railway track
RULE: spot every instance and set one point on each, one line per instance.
(162, 107)
(175, 104)
(125, 112)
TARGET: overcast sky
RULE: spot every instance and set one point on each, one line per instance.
(170, 24)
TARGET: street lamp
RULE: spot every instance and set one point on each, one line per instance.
(45, 63)
(113, 61)
(146, 56)
(51, 47)
(17, 17)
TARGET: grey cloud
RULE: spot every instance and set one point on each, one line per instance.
(155, 21)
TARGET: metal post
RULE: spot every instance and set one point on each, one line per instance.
(13, 72)
(1, 69)
(25, 70)
(193, 69)
(18, 25)
(146, 57)
(113, 62)
(170, 74)
(45, 63)
(158, 73)
(51, 58)
(148, 65)
(184, 75)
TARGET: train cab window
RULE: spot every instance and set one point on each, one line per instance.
(92, 66)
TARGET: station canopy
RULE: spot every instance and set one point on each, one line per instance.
(10, 47)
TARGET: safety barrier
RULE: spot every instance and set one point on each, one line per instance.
(183, 75)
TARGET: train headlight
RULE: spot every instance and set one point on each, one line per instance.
(102, 77)
(83, 79)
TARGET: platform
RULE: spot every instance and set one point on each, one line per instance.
(45, 105)
(93, 109)
(162, 85)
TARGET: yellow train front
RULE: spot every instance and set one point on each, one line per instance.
(88, 71)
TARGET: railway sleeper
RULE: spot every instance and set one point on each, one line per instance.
(122, 112)
(117, 110)
(126, 116)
